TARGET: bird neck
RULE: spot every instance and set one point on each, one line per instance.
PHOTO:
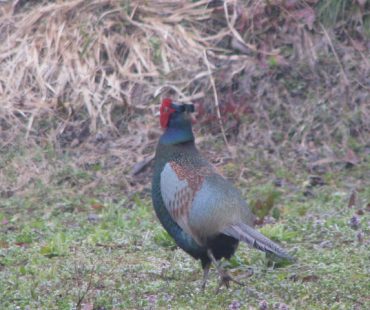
(173, 136)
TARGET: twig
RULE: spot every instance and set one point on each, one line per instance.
(29, 125)
(159, 90)
(82, 297)
(335, 55)
(243, 45)
(216, 97)
(140, 166)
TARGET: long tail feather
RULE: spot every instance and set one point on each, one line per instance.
(255, 239)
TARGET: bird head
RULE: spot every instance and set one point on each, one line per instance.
(176, 121)
(175, 114)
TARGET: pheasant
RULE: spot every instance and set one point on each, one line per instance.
(201, 210)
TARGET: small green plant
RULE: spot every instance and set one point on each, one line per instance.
(162, 238)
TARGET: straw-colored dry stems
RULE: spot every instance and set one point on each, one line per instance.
(217, 104)
(91, 61)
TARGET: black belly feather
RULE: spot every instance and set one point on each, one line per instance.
(222, 246)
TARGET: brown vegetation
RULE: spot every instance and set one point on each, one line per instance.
(86, 76)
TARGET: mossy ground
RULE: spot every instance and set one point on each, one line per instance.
(64, 249)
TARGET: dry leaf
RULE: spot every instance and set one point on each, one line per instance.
(310, 278)
(97, 206)
(352, 199)
(351, 157)
(4, 244)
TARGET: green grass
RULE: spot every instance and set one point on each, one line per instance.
(60, 249)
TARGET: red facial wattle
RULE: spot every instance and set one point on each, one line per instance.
(165, 112)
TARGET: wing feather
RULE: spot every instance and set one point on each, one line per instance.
(179, 185)
(177, 195)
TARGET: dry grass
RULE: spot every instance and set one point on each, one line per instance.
(92, 56)
(88, 74)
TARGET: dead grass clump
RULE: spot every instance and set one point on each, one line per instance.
(73, 56)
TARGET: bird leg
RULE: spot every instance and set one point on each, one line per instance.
(225, 277)
(205, 275)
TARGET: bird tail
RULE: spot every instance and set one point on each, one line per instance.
(255, 239)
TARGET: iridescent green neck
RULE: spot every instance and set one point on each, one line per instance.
(178, 131)
(176, 136)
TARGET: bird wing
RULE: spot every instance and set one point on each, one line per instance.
(179, 185)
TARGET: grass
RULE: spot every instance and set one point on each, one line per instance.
(61, 248)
